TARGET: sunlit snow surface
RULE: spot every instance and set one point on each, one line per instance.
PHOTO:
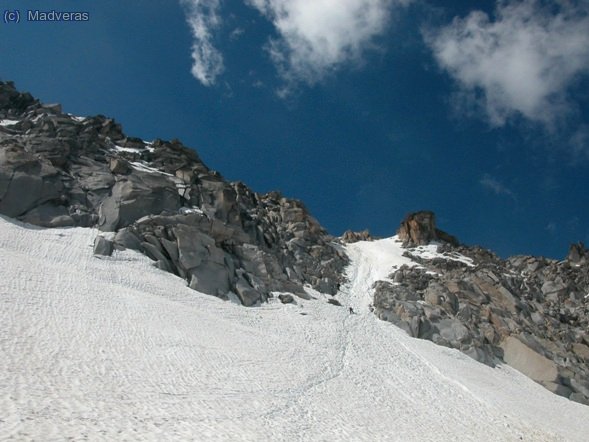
(76, 118)
(114, 349)
(430, 251)
(8, 122)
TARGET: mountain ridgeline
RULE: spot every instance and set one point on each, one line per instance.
(59, 170)
(159, 198)
(529, 312)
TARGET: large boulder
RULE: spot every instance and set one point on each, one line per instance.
(48, 215)
(212, 277)
(11, 100)
(247, 294)
(529, 362)
(578, 254)
(103, 246)
(135, 196)
(20, 170)
(193, 246)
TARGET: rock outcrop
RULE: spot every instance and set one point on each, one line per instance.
(531, 313)
(350, 237)
(159, 198)
(419, 228)
(578, 254)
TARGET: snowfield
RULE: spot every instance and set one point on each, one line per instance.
(115, 349)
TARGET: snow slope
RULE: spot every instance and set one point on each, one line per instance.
(114, 349)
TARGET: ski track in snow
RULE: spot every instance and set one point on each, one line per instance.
(115, 349)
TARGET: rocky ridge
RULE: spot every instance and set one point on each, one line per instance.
(531, 313)
(159, 198)
(350, 237)
(224, 239)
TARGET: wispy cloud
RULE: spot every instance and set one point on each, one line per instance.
(317, 37)
(497, 187)
(204, 19)
(573, 224)
(236, 33)
(521, 62)
(579, 142)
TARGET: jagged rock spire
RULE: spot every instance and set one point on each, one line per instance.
(578, 253)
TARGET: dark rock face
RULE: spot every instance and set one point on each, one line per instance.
(134, 196)
(103, 246)
(419, 228)
(350, 237)
(14, 101)
(531, 313)
(20, 170)
(578, 254)
(286, 299)
(335, 302)
(159, 198)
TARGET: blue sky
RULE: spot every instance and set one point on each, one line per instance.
(364, 109)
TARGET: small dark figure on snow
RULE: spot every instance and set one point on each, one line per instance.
(351, 311)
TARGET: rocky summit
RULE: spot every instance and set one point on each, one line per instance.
(159, 198)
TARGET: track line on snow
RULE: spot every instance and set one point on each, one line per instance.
(114, 349)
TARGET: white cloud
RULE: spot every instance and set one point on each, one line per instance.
(315, 37)
(521, 63)
(496, 186)
(318, 36)
(204, 19)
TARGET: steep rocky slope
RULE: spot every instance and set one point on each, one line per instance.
(530, 312)
(59, 170)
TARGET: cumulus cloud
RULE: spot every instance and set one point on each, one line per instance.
(520, 63)
(314, 38)
(203, 17)
(317, 37)
(494, 185)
